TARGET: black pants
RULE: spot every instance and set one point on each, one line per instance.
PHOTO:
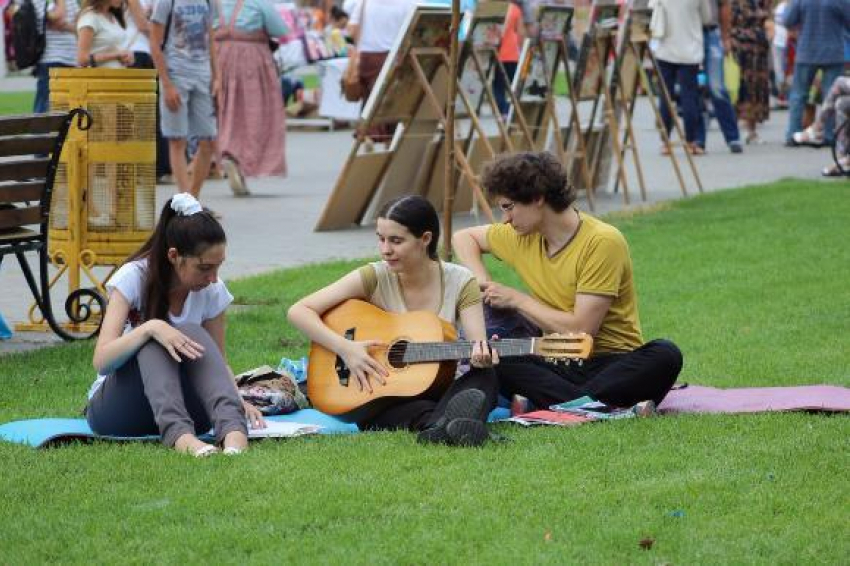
(418, 414)
(615, 379)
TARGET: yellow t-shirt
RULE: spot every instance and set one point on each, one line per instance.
(595, 262)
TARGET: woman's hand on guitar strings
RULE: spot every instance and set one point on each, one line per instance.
(363, 365)
(483, 356)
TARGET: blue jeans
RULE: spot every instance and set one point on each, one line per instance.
(804, 75)
(720, 101)
(42, 86)
(686, 77)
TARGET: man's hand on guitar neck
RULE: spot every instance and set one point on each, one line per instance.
(484, 355)
(363, 365)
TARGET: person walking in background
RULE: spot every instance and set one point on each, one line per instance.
(679, 52)
(252, 124)
(835, 105)
(102, 35)
(752, 51)
(137, 14)
(779, 51)
(60, 48)
(717, 41)
(821, 27)
(508, 56)
(374, 26)
(184, 56)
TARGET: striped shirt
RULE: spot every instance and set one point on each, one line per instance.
(61, 46)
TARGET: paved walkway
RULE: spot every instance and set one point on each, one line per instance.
(274, 227)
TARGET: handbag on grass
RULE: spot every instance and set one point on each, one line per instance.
(352, 90)
(272, 392)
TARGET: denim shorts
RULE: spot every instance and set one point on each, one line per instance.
(196, 115)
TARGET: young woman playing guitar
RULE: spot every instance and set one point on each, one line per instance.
(410, 277)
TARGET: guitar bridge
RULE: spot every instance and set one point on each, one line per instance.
(342, 372)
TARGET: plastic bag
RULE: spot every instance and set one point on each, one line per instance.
(732, 77)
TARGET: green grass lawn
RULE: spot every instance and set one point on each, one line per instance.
(12, 103)
(753, 286)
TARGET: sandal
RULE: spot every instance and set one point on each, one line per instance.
(809, 136)
(694, 149)
(840, 169)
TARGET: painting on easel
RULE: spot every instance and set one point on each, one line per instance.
(398, 91)
(604, 19)
(484, 36)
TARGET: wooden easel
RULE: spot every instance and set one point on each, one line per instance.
(597, 49)
(560, 55)
(370, 173)
(628, 74)
(480, 57)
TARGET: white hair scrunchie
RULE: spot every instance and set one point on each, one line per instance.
(185, 204)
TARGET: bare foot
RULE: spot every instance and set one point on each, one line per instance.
(192, 445)
(235, 442)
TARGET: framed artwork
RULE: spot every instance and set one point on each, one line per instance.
(602, 23)
(397, 92)
(484, 37)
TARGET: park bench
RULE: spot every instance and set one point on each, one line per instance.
(30, 147)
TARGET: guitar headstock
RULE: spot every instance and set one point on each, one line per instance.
(564, 347)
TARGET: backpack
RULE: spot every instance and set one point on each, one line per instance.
(28, 36)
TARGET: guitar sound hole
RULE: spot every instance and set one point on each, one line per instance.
(395, 354)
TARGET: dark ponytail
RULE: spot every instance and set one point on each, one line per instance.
(416, 214)
(191, 236)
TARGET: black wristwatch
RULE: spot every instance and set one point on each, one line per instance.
(92, 62)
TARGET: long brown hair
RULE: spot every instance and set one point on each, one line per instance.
(191, 236)
(99, 5)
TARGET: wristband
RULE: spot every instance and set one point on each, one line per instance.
(92, 62)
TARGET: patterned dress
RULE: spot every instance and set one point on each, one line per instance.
(752, 49)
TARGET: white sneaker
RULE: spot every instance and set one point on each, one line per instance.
(234, 177)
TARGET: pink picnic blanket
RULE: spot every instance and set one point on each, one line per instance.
(697, 399)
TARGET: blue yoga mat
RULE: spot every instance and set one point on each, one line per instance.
(41, 433)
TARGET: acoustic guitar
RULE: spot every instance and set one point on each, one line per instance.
(420, 351)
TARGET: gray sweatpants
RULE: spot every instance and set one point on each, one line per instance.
(153, 394)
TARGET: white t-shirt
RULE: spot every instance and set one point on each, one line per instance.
(136, 40)
(199, 307)
(780, 32)
(683, 41)
(108, 36)
(383, 21)
(61, 46)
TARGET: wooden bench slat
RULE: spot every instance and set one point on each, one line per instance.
(19, 192)
(34, 124)
(19, 169)
(17, 234)
(17, 217)
(27, 145)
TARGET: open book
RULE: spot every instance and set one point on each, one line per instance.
(280, 429)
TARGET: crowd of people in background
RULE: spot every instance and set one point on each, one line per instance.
(222, 98)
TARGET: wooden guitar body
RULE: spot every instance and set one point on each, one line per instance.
(334, 391)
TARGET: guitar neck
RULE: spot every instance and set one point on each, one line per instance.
(424, 352)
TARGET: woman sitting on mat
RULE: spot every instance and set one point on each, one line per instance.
(160, 353)
(411, 277)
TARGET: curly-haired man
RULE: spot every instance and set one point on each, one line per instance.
(579, 274)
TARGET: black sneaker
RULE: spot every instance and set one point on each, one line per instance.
(461, 424)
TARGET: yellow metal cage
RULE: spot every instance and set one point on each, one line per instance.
(104, 194)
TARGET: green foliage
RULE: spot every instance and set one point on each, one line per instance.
(752, 284)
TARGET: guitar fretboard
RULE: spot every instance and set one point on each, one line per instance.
(420, 352)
